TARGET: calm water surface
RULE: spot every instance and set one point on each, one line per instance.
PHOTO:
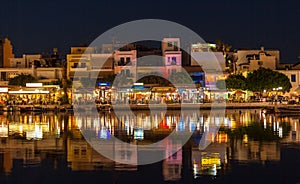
(249, 147)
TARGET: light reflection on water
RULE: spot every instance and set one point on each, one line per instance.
(245, 136)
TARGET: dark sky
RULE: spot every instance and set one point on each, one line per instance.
(38, 26)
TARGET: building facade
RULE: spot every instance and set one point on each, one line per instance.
(6, 52)
(27, 61)
(294, 76)
(250, 60)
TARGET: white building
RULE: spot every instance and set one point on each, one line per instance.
(250, 60)
(212, 63)
(86, 62)
(47, 74)
(26, 61)
(294, 76)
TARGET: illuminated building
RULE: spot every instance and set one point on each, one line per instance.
(125, 63)
(250, 60)
(202, 55)
(294, 77)
(6, 52)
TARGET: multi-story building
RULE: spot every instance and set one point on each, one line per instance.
(27, 61)
(212, 63)
(294, 76)
(32, 64)
(85, 62)
(125, 63)
(169, 63)
(89, 64)
(250, 60)
(6, 52)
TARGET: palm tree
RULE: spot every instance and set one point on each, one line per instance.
(65, 98)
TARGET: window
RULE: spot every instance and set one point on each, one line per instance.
(173, 61)
(259, 63)
(83, 65)
(122, 61)
(76, 152)
(293, 78)
(83, 152)
(127, 60)
(170, 44)
(175, 45)
(75, 65)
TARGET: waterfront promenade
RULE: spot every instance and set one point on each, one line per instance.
(203, 106)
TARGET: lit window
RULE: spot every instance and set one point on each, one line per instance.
(173, 61)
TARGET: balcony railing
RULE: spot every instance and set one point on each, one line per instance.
(78, 69)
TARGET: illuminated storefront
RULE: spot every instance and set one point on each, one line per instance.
(138, 93)
(27, 96)
(103, 92)
(35, 93)
(191, 95)
(3, 95)
(164, 94)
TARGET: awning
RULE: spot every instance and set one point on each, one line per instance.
(239, 92)
(163, 89)
(29, 92)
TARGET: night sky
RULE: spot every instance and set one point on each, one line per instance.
(38, 26)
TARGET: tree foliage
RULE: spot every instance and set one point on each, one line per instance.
(258, 81)
(21, 80)
(266, 79)
(233, 82)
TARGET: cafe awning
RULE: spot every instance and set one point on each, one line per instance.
(29, 92)
(163, 89)
(239, 92)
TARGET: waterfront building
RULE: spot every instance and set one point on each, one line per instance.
(125, 63)
(201, 54)
(172, 55)
(213, 68)
(162, 63)
(87, 63)
(294, 76)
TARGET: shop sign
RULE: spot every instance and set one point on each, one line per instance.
(3, 90)
(104, 84)
(34, 84)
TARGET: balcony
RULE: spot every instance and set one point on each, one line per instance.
(101, 68)
(74, 69)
